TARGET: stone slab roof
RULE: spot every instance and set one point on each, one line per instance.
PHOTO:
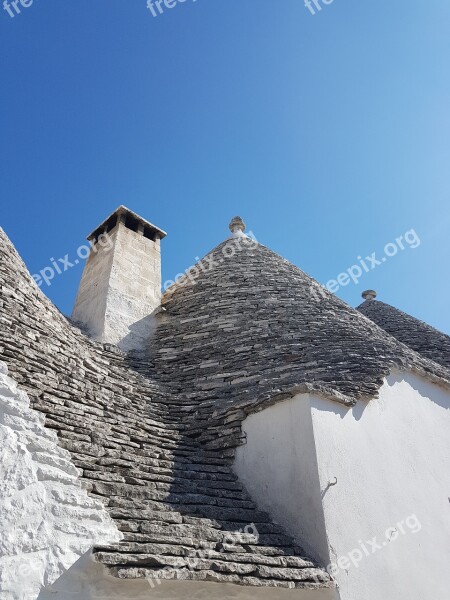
(124, 211)
(182, 511)
(246, 328)
(417, 335)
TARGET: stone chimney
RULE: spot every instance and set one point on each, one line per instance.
(120, 289)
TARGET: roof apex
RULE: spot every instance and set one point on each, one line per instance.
(369, 295)
(237, 225)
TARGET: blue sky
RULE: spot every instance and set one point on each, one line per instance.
(329, 134)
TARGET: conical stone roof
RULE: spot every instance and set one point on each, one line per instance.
(246, 328)
(417, 335)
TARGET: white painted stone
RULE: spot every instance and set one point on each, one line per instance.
(327, 472)
(47, 521)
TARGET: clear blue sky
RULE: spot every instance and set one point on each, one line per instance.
(329, 134)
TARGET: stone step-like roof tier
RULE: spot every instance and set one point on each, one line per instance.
(182, 511)
(417, 335)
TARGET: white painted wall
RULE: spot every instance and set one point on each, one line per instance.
(391, 459)
(278, 465)
(47, 521)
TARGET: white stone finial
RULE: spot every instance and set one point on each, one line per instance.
(237, 225)
(369, 295)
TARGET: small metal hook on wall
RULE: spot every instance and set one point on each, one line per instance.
(331, 483)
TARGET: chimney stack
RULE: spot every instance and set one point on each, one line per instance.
(121, 284)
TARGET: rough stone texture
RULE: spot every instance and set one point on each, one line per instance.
(154, 434)
(87, 580)
(90, 303)
(247, 328)
(120, 288)
(179, 505)
(47, 520)
(424, 339)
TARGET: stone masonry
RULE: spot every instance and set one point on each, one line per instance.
(121, 283)
(417, 335)
(153, 433)
(247, 328)
(182, 511)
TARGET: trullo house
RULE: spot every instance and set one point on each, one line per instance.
(246, 435)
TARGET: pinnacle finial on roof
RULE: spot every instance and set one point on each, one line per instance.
(369, 295)
(237, 225)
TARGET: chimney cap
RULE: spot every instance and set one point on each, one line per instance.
(369, 295)
(123, 210)
(236, 225)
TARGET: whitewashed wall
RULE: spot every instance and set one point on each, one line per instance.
(279, 467)
(389, 459)
(47, 521)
